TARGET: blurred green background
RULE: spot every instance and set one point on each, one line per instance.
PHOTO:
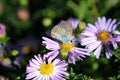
(26, 18)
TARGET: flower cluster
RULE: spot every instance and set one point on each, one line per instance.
(66, 48)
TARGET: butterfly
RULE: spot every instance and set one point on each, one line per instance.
(62, 32)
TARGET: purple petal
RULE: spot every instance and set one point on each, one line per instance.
(51, 55)
(93, 46)
(63, 63)
(104, 22)
(87, 33)
(107, 24)
(116, 32)
(88, 40)
(98, 51)
(74, 22)
(33, 65)
(117, 39)
(75, 50)
(111, 25)
(56, 61)
(114, 27)
(30, 69)
(38, 59)
(114, 44)
(50, 44)
(81, 49)
(32, 74)
(91, 28)
(35, 62)
(36, 78)
(71, 58)
(100, 23)
(97, 25)
(53, 77)
(108, 53)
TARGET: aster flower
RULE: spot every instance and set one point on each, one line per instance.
(68, 50)
(46, 68)
(102, 34)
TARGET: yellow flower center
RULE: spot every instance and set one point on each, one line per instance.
(46, 69)
(104, 36)
(67, 46)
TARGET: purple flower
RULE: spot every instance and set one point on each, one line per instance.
(102, 33)
(2, 29)
(28, 44)
(46, 68)
(65, 49)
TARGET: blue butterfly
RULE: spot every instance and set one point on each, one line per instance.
(62, 32)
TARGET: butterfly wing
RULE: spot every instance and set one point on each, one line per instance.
(62, 32)
(68, 31)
